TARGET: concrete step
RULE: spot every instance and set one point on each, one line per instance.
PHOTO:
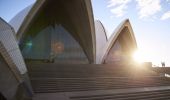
(45, 85)
(61, 79)
(87, 70)
(149, 93)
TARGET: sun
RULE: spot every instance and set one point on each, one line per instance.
(138, 56)
(146, 55)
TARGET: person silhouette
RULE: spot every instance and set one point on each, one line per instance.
(163, 64)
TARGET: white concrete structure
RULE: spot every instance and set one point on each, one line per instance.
(95, 45)
(62, 32)
(103, 44)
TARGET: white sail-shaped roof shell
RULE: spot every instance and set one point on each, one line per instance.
(103, 46)
(82, 27)
(101, 43)
(17, 21)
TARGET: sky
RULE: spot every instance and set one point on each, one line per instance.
(150, 20)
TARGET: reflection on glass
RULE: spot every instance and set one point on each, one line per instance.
(52, 44)
(57, 47)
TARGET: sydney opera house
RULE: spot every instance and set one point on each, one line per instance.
(56, 50)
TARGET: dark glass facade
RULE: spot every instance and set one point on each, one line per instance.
(122, 49)
(52, 44)
(115, 53)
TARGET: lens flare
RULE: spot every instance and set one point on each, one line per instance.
(141, 56)
(138, 57)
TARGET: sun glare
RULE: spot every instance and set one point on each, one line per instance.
(137, 56)
(141, 56)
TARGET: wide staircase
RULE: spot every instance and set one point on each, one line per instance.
(96, 82)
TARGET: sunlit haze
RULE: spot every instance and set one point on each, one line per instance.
(142, 56)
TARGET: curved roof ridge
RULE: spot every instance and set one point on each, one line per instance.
(105, 32)
(19, 18)
(115, 35)
(120, 26)
(82, 27)
(6, 26)
(101, 40)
